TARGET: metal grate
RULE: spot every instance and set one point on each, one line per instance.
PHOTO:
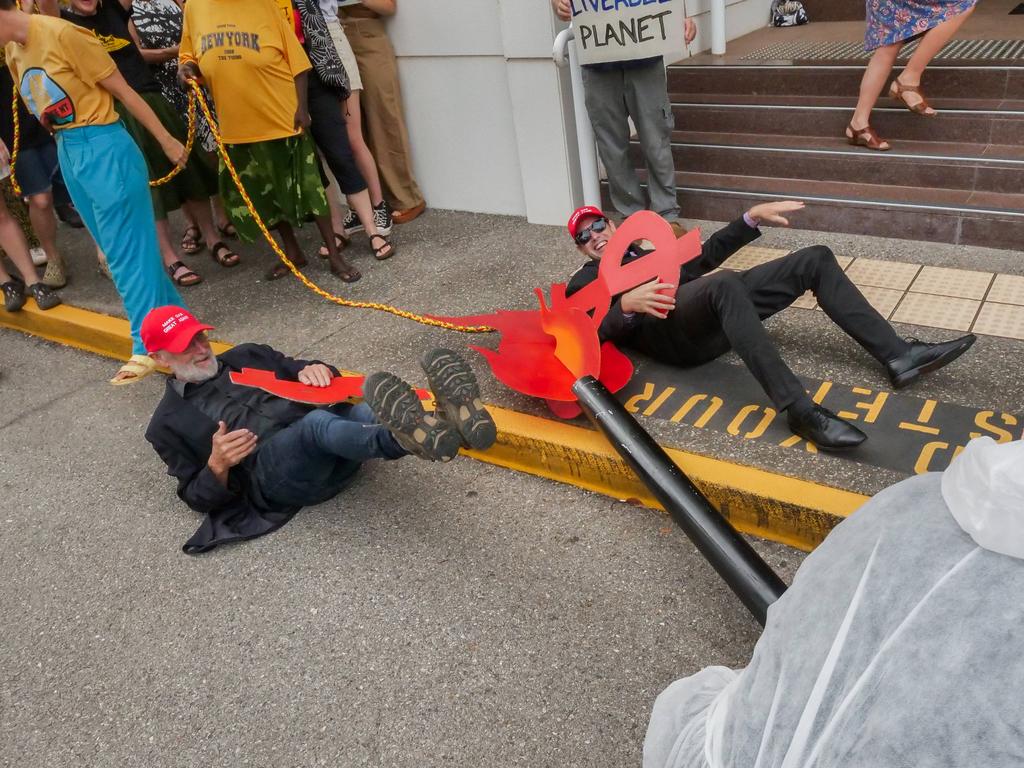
(956, 50)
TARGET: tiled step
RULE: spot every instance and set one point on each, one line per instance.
(985, 87)
(954, 126)
(835, 160)
(935, 215)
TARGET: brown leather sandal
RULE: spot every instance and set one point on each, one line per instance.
(866, 137)
(896, 91)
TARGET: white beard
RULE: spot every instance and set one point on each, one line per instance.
(192, 373)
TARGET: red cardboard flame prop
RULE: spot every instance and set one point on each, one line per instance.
(543, 352)
(340, 389)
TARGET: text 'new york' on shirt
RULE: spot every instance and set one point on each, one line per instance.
(249, 57)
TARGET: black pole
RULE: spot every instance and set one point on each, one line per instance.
(750, 577)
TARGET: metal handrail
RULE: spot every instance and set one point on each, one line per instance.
(564, 54)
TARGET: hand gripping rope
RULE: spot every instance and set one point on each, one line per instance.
(196, 97)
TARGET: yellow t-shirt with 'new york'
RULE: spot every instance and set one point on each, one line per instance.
(57, 71)
(249, 57)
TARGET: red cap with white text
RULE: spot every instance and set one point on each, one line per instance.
(170, 329)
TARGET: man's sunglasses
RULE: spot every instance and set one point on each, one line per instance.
(584, 235)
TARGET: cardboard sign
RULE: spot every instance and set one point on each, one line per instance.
(625, 30)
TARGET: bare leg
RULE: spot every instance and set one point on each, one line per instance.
(292, 250)
(875, 77)
(364, 158)
(360, 203)
(163, 235)
(339, 266)
(13, 241)
(44, 224)
(932, 42)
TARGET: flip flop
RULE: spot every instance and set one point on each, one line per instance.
(223, 255)
(187, 278)
(138, 367)
(191, 240)
(340, 242)
(385, 251)
(350, 275)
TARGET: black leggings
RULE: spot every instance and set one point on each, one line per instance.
(331, 136)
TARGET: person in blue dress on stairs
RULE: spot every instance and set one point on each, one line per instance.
(891, 24)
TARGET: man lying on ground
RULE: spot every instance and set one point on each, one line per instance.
(894, 646)
(249, 460)
(706, 315)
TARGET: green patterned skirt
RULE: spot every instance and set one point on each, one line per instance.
(198, 180)
(281, 177)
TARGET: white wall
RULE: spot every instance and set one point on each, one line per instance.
(484, 106)
(489, 114)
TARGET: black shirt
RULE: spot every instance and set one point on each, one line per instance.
(32, 133)
(241, 407)
(110, 25)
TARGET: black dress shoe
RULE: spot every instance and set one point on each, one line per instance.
(923, 357)
(825, 429)
(69, 215)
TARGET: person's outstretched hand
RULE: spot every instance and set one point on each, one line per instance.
(649, 299)
(316, 375)
(772, 213)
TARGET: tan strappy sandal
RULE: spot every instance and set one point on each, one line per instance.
(866, 137)
(896, 91)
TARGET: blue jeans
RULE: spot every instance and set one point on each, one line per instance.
(313, 459)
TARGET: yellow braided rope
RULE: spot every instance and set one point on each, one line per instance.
(162, 180)
(17, 137)
(188, 143)
(197, 94)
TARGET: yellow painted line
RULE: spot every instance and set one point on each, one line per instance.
(793, 511)
(786, 509)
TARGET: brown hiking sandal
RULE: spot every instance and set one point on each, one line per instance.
(457, 398)
(396, 406)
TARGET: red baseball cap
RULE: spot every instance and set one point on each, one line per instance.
(579, 214)
(170, 329)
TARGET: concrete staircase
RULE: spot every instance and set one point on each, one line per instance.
(748, 131)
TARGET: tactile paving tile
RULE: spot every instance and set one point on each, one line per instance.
(882, 274)
(807, 301)
(1000, 320)
(960, 283)
(937, 311)
(752, 256)
(1007, 289)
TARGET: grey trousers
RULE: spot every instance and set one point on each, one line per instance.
(641, 93)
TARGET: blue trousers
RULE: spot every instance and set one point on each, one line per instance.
(106, 175)
(313, 459)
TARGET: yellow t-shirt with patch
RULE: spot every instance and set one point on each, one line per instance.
(249, 57)
(56, 72)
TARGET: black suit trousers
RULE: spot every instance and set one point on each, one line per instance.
(725, 311)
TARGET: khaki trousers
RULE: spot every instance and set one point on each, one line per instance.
(383, 122)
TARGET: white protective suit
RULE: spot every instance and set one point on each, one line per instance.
(899, 645)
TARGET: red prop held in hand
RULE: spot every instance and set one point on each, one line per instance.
(543, 352)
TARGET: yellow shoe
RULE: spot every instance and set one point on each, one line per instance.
(136, 369)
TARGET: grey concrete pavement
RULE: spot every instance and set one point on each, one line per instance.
(430, 616)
